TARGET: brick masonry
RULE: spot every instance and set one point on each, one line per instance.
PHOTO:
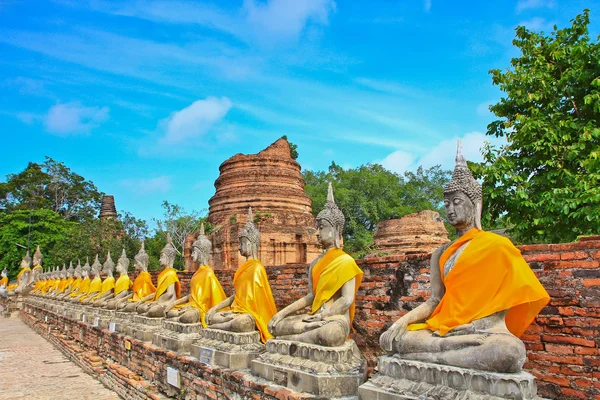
(563, 344)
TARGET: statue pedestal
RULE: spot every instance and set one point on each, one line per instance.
(144, 327)
(405, 379)
(309, 368)
(228, 349)
(177, 336)
(104, 317)
(122, 322)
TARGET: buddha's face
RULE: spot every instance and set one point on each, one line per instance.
(245, 247)
(460, 210)
(166, 259)
(326, 233)
(121, 268)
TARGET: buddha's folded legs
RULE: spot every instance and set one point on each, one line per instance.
(331, 332)
(497, 352)
(143, 308)
(190, 316)
(233, 322)
(156, 311)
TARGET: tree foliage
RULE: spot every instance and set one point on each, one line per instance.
(51, 185)
(293, 148)
(545, 182)
(370, 194)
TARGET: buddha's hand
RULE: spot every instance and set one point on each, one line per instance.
(394, 332)
(274, 321)
(209, 315)
(313, 322)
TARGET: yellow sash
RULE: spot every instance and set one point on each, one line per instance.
(65, 285)
(489, 276)
(13, 286)
(205, 292)
(4, 281)
(143, 286)
(75, 286)
(253, 295)
(330, 273)
(107, 285)
(123, 283)
(23, 270)
(166, 278)
(95, 287)
(84, 287)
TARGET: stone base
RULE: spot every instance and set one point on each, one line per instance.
(144, 327)
(177, 336)
(411, 380)
(228, 349)
(313, 369)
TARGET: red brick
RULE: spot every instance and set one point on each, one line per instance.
(574, 255)
(573, 393)
(591, 282)
(559, 380)
(575, 360)
(558, 349)
(567, 339)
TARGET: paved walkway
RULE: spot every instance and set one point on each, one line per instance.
(31, 368)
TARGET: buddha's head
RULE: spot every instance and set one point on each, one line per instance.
(70, 270)
(26, 261)
(123, 263)
(63, 272)
(249, 238)
(140, 261)
(463, 196)
(86, 269)
(109, 266)
(37, 257)
(96, 268)
(201, 248)
(330, 223)
(168, 253)
(4, 273)
(77, 271)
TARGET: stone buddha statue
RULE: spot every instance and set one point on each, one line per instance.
(61, 282)
(22, 277)
(143, 288)
(72, 280)
(54, 282)
(333, 280)
(123, 285)
(4, 279)
(108, 284)
(37, 268)
(95, 283)
(167, 285)
(483, 294)
(84, 286)
(205, 288)
(252, 303)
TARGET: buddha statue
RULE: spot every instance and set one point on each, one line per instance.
(167, 285)
(471, 322)
(143, 288)
(22, 277)
(123, 285)
(54, 282)
(4, 279)
(60, 282)
(252, 303)
(108, 284)
(37, 268)
(205, 289)
(77, 279)
(333, 280)
(95, 283)
(71, 277)
(84, 286)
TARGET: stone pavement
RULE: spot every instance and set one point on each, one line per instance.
(31, 368)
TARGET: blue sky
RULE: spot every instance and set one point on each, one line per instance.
(147, 98)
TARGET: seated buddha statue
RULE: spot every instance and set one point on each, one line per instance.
(123, 285)
(4, 279)
(205, 289)
(35, 271)
(61, 282)
(143, 288)
(54, 282)
(333, 280)
(252, 304)
(168, 289)
(108, 284)
(73, 280)
(22, 277)
(95, 283)
(483, 294)
(84, 285)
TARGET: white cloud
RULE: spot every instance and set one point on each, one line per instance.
(278, 20)
(483, 109)
(28, 118)
(443, 154)
(534, 4)
(399, 161)
(159, 184)
(73, 118)
(427, 5)
(194, 120)
(537, 24)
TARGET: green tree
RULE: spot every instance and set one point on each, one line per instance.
(51, 185)
(370, 194)
(545, 181)
(293, 148)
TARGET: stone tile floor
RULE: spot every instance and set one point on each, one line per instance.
(31, 368)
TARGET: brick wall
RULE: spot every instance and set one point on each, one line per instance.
(563, 343)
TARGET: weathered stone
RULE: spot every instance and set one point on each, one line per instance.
(422, 232)
(313, 369)
(177, 336)
(271, 183)
(145, 327)
(108, 209)
(405, 379)
(228, 349)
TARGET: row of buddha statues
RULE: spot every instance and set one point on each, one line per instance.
(483, 293)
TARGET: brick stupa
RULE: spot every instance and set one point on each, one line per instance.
(421, 232)
(271, 183)
(108, 209)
